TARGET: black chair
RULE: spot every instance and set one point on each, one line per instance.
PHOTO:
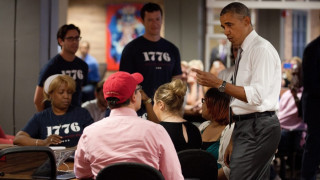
(198, 164)
(129, 171)
(27, 162)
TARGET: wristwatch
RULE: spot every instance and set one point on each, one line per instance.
(222, 87)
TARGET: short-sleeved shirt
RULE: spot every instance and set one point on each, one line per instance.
(156, 61)
(77, 69)
(70, 125)
(174, 129)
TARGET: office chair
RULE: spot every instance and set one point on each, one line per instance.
(27, 162)
(129, 171)
(198, 164)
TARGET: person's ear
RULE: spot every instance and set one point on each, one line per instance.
(133, 98)
(247, 20)
(161, 105)
(60, 41)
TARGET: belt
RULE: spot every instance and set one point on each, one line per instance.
(252, 115)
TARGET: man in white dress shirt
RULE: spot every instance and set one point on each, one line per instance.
(255, 88)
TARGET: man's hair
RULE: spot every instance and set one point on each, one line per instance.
(150, 7)
(64, 29)
(236, 8)
(112, 102)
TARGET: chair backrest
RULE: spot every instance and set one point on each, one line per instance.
(198, 164)
(27, 162)
(129, 170)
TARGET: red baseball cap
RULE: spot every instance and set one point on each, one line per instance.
(121, 85)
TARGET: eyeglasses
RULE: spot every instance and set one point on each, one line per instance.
(138, 88)
(77, 38)
(203, 100)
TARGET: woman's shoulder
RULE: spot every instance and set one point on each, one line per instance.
(204, 125)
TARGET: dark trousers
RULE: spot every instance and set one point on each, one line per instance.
(254, 144)
(311, 154)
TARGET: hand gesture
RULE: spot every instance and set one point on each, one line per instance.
(53, 139)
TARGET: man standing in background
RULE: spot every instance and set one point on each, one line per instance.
(93, 74)
(66, 62)
(157, 59)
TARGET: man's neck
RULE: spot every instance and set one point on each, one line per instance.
(152, 38)
(67, 56)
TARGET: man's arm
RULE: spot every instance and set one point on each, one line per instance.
(82, 167)
(38, 99)
(210, 80)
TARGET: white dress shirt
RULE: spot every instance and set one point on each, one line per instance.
(259, 73)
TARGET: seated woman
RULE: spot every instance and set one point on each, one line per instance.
(60, 124)
(216, 132)
(168, 101)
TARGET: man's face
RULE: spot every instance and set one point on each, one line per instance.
(84, 49)
(152, 23)
(70, 43)
(235, 27)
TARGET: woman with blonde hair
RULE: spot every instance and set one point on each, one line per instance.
(61, 124)
(168, 101)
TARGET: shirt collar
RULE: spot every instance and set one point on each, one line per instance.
(247, 41)
(123, 111)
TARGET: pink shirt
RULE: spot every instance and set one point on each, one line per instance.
(288, 112)
(124, 137)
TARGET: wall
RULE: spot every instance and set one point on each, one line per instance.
(268, 25)
(26, 32)
(19, 61)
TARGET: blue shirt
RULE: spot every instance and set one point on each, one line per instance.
(93, 74)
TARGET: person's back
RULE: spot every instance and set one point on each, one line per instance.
(123, 136)
(168, 101)
(175, 130)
